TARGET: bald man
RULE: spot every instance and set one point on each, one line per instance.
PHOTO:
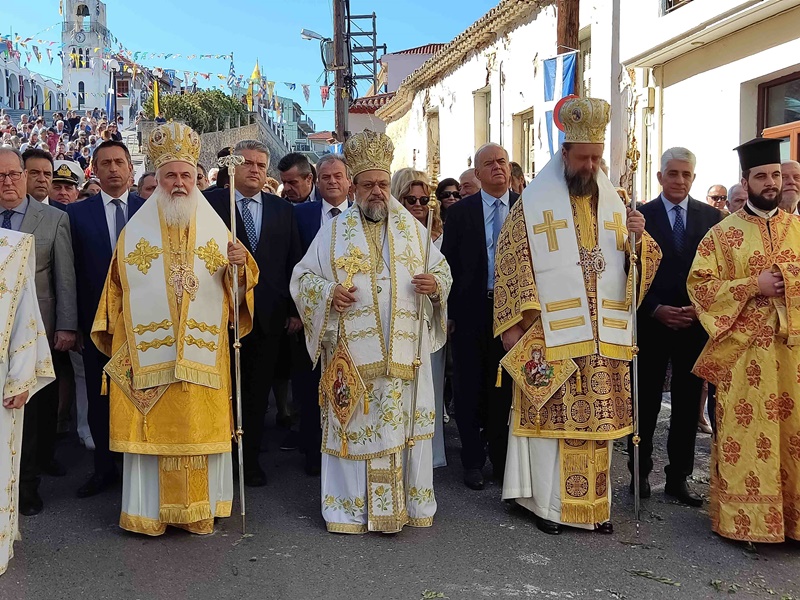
(790, 194)
(716, 196)
(737, 196)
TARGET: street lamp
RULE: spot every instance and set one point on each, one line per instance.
(307, 34)
(325, 47)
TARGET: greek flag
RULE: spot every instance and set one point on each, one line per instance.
(231, 74)
(559, 81)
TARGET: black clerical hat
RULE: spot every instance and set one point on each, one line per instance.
(759, 151)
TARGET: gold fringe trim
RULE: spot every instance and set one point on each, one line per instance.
(184, 387)
(104, 385)
(601, 460)
(423, 522)
(223, 508)
(176, 463)
(184, 515)
(585, 513)
(616, 351)
(563, 434)
(142, 525)
(346, 528)
(576, 462)
(164, 376)
(184, 373)
(499, 381)
(566, 351)
(204, 527)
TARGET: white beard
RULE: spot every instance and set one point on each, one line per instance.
(177, 211)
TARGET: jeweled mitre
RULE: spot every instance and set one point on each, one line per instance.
(174, 141)
(585, 120)
(368, 151)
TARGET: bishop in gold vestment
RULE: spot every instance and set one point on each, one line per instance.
(163, 319)
(563, 306)
(745, 286)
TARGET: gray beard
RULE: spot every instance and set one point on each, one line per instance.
(579, 185)
(177, 211)
(374, 212)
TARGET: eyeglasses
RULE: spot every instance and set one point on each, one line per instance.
(412, 200)
(12, 175)
(718, 198)
(446, 195)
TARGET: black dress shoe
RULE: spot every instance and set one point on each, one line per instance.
(548, 527)
(644, 488)
(30, 503)
(680, 491)
(290, 441)
(54, 469)
(255, 477)
(97, 483)
(473, 479)
(606, 528)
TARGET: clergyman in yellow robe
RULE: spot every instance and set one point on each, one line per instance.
(163, 319)
(563, 290)
(753, 357)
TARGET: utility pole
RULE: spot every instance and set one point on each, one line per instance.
(568, 12)
(341, 66)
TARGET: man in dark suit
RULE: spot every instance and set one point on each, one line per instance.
(266, 225)
(55, 292)
(333, 185)
(668, 327)
(96, 224)
(470, 237)
(297, 176)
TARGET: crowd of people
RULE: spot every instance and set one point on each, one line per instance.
(368, 338)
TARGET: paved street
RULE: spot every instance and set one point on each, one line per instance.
(479, 547)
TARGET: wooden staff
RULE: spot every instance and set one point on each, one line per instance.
(230, 163)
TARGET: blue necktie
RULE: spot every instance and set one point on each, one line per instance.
(119, 216)
(497, 225)
(7, 219)
(679, 230)
(249, 225)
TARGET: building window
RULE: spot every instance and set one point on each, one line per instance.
(122, 88)
(482, 104)
(81, 94)
(779, 113)
(585, 66)
(524, 141)
(82, 11)
(670, 5)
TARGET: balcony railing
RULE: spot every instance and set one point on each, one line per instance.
(671, 5)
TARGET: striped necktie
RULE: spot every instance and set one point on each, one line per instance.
(679, 230)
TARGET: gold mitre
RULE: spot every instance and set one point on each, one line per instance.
(174, 141)
(367, 151)
(585, 120)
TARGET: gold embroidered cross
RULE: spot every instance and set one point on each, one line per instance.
(549, 228)
(211, 255)
(618, 227)
(143, 255)
(355, 261)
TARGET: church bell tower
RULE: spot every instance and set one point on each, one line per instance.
(85, 38)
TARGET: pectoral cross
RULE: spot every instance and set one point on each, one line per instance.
(618, 227)
(183, 279)
(355, 261)
(549, 228)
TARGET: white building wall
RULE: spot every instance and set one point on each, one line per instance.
(709, 95)
(358, 122)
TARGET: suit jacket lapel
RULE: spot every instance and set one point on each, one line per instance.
(33, 216)
(477, 217)
(693, 227)
(268, 222)
(661, 224)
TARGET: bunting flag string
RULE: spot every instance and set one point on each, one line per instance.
(324, 93)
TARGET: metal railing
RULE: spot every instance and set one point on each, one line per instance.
(671, 5)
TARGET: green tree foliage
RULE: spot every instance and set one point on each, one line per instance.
(201, 110)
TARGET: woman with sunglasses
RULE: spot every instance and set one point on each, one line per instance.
(413, 189)
(447, 193)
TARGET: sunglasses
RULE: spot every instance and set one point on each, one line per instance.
(446, 195)
(718, 198)
(412, 200)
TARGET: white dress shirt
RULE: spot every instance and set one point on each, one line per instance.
(256, 207)
(326, 211)
(489, 215)
(669, 206)
(111, 214)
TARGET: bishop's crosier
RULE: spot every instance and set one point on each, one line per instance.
(163, 319)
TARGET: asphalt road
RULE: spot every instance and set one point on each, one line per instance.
(478, 547)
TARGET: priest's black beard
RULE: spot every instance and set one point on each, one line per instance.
(579, 184)
(762, 203)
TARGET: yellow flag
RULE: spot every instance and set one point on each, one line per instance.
(155, 98)
(254, 79)
(256, 76)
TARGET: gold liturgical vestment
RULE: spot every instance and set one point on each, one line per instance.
(593, 405)
(753, 357)
(180, 422)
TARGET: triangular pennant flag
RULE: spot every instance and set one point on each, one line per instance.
(324, 93)
(306, 92)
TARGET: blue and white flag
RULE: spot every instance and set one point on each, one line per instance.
(559, 82)
(231, 74)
